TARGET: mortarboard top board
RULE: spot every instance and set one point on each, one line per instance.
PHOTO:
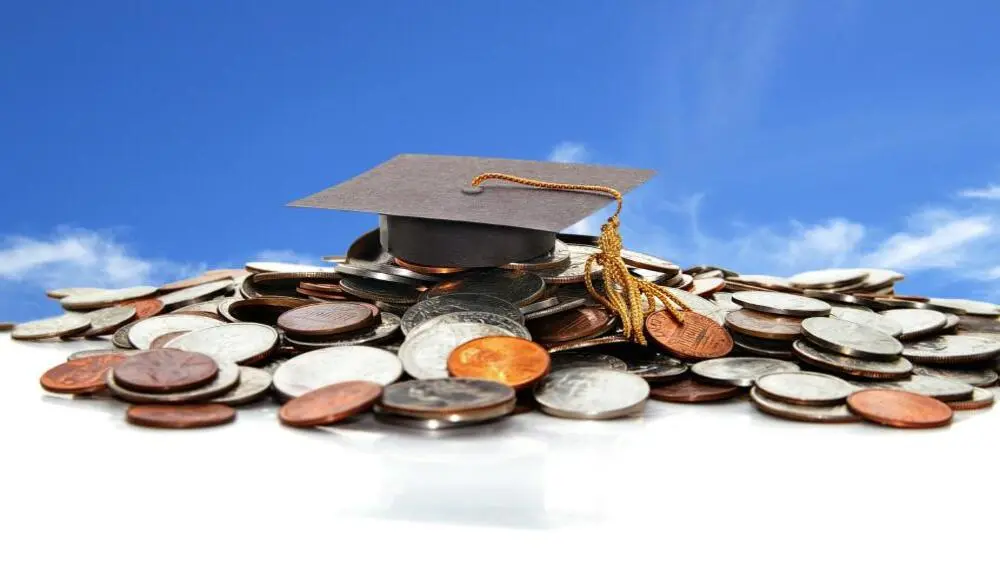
(428, 217)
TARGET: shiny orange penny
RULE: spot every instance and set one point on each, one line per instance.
(902, 409)
(506, 359)
(81, 376)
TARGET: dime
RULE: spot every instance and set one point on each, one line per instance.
(142, 333)
(517, 287)
(254, 384)
(164, 339)
(813, 413)
(377, 290)
(452, 303)
(53, 327)
(429, 270)
(327, 319)
(385, 330)
(179, 416)
(654, 366)
(425, 353)
(82, 375)
(779, 349)
(574, 271)
(707, 286)
(764, 325)
(240, 343)
(559, 256)
(195, 294)
(696, 338)
(165, 371)
(264, 310)
(562, 306)
(649, 262)
(320, 368)
(828, 279)
(917, 322)
(105, 321)
(980, 308)
(690, 391)
(506, 359)
(105, 297)
(781, 303)
(207, 277)
(698, 304)
(851, 339)
(857, 367)
(588, 343)
(586, 359)
(741, 372)
(952, 349)
(576, 324)
(591, 393)
(978, 377)
(899, 409)
(804, 388)
(285, 267)
(877, 321)
(928, 385)
(330, 404)
(540, 304)
(445, 398)
(981, 399)
(477, 317)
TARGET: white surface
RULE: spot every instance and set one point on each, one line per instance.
(682, 483)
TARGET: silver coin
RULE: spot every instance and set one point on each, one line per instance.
(510, 326)
(272, 365)
(653, 276)
(452, 421)
(514, 286)
(212, 306)
(425, 352)
(708, 274)
(850, 306)
(805, 388)
(561, 306)
(869, 318)
(741, 372)
(539, 305)
(64, 325)
(67, 291)
(378, 290)
(445, 398)
(917, 322)
(581, 344)
(575, 270)
(235, 342)
(977, 377)
(953, 321)
(725, 302)
(144, 332)
(649, 262)
(99, 352)
(834, 413)
(971, 307)
(452, 303)
(392, 308)
(655, 366)
(120, 338)
(857, 367)
(285, 268)
(831, 297)
(383, 273)
(105, 297)
(227, 378)
(591, 393)
(698, 304)
(851, 339)
(879, 278)
(254, 384)
(778, 349)
(929, 385)
(415, 278)
(103, 321)
(827, 279)
(781, 303)
(385, 330)
(952, 349)
(764, 281)
(559, 256)
(320, 368)
(577, 359)
(196, 294)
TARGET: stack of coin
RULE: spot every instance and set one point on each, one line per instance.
(851, 349)
(444, 403)
(770, 321)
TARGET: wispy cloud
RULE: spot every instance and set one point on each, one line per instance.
(991, 191)
(568, 151)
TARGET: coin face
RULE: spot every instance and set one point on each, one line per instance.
(741, 372)
(691, 391)
(649, 262)
(559, 256)
(457, 302)
(803, 413)
(698, 304)
(513, 361)
(81, 375)
(105, 321)
(975, 376)
(696, 338)
(585, 322)
(165, 371)
(228, 377)
(385, 330)
(320, 368)
(578, 358)
(326, 319)
(54, 327)
(444, 397)
(105, 297)
(858, 367)
(827, 279)
(142, 333)
(330, 404)
(235, 342)
(981, 399)
(476, 317)
(916, 323)
(591, 393)
(425, 352)
(513, 286)
(952, 349)
(764, 325)
(870, 319)
(179, 416)
(378, 290)
(781, 303)
(194, 294)
(850, 339)
(900, 409)
(805, 388)
(575, 270)
(254, 385)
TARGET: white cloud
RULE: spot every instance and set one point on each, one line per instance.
(991, 191)
(290, 256)
(568, 151)
(944, 245)
(993, 273)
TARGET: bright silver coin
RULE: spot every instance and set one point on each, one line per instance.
(850, 339)
(741, 372)
(971, 307)
(561, 306)
(196, 294)
(510, 326)
(697, 304)
(385, 330)
(805, 388)
(577, 359)
(235, 342)
(575, 270)
(227, 378)
(514, 286)
(103, 321)
(559, 256)
(781, 303)
(285, 268)
(105, 297)
(857, 367)
(826, 279)
(455, 302)
(539, 305)
(383, 273)
(144, 332)
(591, 393)
(425, 352)
(929, 385)
(320, 368)
(917, 322)
(977, 377)
(868, 318)
(64, 325)
(803, 413)
(952, 349)
(255, 383)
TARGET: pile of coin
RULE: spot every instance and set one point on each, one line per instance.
(436, 347)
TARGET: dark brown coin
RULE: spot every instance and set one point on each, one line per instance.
(696, 338)
(321, 287)
(164, 339)
(577, 324)
(330, 404)
(82, 375)
(180, 416)
(263, 310)
(378, 290)
(764, 325)
(5, 326)
(900, 409)
(165, 371)
(690, 391)
(327, 319)
(780, 349)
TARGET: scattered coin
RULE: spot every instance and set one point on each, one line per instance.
(254, 384)
(320, 368)
(559, 256)
(971, 307)
(576, 324)
(760, 347)
(725, 302)
(697, 338)
(377, 290)
(591, 393)
(981, 399)
(917, 323)
(105, 298)
(180, 416)
(264, 310)
(434, 307)
(475, 317)
(587, 359)
(165, 371)
(425, 352)
(741, 372)
(120, 338)
(851, 339)
(690, 391)
(774, 283)
(456, 420)
(879, 322)
(540, 304)
(843, 298)
(900, 409)
(80, 354)
(446, 398)
(952, 349)
(828, 279)
(327, 319)
(653, 366)
(953, 321)
(142, 333)
(561, 306)
(514, 286)
(781, 303)
(227, 378)
(812, 413)
(976, 376)
(285, 267)
(67, 291)
(764, 325)
(81, 376)
(513, 361)
(240, 343)
(429, 270)
(330, 404)
(145, 308)
(53, 327)
(5, 326)
(857, 367)
(194, 294)
(804, 388)
(106, 321)
(588, 343)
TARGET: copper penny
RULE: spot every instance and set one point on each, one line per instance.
(327, 319)
(164, 339)
(577, 324)
(690, 391)
(180, 416)
(697, 338)
(764, 325)
(207, 277)
(900, 409)
(165, 371)
(507, 359)
(330, 404)
(145, 308)
(82, 375)
(321, 287)
(427, 270)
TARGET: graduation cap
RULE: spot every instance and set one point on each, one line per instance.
(431, 214)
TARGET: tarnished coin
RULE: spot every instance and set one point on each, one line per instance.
(969, 323)
(559, 256)
(696, 338)
(285, 267)
(858, 367)
(741, 372)
(881, 323)
(585, 322)
(330, 404)
(930, 385)
(506, 359)
(386, 329)
(851, 339)
(425, 352)
(165, 371)
(576, 359)
(82, 375)
(803, 413)
(105, 297)
(327, 319)
(699, 305)
(456, 302)
(255, 383)
(970, 306)
(900, 409)
(179, 416)
(65, 325)
(514, 286)
(227, 378)
(975, 376)
(981, 399)
(649, 262)
(828, 279)
(561, 306)
(707, 286)
(207, 277)
(194, 294)
(539, 305)
(142, 333)
(240, 343)
(476, 317)
(779, 349)
(591, 393)
(690, 391)
(106, 321)
(917, 323)
(588, 343)
(264, 310)
(320, 368)
(377, 290)
(575, 270)
(781, 303)
(764, 325)
(805, 388)
(444, 398)
(952, 349)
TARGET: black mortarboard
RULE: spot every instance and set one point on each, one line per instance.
(429, 216)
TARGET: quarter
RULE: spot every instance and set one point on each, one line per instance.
(741, 372)
(781, 303)
(803, 413)
(804, 388)
(851, 339)
(591, 393)
(320, 368)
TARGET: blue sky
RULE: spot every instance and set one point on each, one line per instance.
(140, 142)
